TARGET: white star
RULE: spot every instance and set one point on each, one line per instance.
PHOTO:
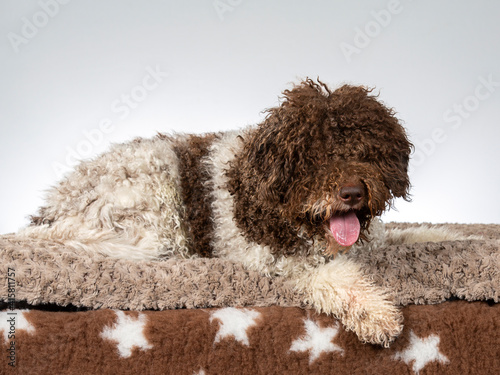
(234, 322)
(317, 340)
(12, 321)
(128, 333)
(421, 351)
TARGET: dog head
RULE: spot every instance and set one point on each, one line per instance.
(321, 165)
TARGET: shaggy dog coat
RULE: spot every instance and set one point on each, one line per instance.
(282, 197)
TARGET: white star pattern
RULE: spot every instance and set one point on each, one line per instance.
(12, 321)
(421, 351)
(128, 333)
(317, 340)
(234, 323)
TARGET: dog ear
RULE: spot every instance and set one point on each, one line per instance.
(361, 107)
(397, 158)
(399, 182)
(269, 163)
(283, 151)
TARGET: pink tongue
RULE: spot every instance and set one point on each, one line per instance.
(345, 228)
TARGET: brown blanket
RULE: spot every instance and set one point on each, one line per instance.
(450, 338)
(271, 335)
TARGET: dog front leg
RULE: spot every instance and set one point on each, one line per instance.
(340, 288)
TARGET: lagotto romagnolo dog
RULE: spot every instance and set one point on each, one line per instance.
(282, 197)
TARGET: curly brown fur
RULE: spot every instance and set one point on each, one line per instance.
(295, 161)
(195, 192)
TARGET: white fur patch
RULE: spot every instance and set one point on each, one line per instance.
(422, 233)
(125, 204)
(340, 288)
(229, 241)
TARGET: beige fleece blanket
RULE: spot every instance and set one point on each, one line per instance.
(44, 272)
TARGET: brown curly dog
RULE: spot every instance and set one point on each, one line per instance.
(282, 197)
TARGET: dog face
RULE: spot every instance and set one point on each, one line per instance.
(322, 164)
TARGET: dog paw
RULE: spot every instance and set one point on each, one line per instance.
(339, 288)
(376, 321)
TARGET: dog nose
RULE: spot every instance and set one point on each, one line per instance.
(352, 194)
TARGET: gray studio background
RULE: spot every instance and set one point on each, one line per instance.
(78, 75)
